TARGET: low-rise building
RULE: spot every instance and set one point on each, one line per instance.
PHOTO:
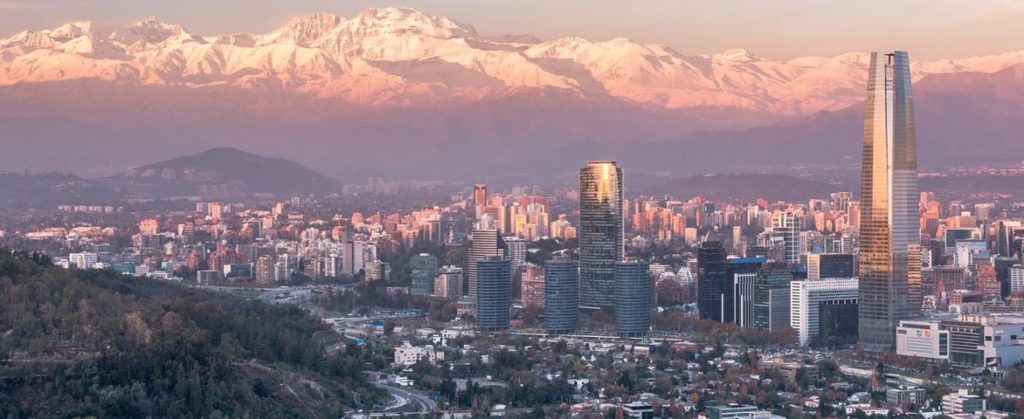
(962, 402)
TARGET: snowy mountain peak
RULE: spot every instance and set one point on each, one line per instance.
(403, 57)
(735, 55)
(305, 30)
(149, 31)
(402, 20)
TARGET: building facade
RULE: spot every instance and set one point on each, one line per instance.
(806, 297)
(561, 296)
(889, 255)
(632, 299)
(600, 232)
(424, 271)
(494, 294)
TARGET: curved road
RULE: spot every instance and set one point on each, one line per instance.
(422, 403)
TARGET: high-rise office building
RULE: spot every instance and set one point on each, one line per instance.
(600, 232)
(786, 227)
(494, 296)
(424, 270)
(486, 243)
(890, 266)
(771, 297)
(632, 298)
(741, 273)
(561, 296)
(714, 293)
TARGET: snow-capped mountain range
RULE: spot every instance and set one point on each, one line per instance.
(397, 57)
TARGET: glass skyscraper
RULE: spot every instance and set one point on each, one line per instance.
(714, 293)
(600, 232)
(494, 296)
(632, 298)
(561, 296)
(890, 266)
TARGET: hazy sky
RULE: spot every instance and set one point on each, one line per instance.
(930, 29)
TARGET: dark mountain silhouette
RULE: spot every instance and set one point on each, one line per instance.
(225, 172)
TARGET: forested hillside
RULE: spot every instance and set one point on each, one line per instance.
(81, 344)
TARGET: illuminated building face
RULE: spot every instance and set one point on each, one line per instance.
(890, 268)
(600, 232)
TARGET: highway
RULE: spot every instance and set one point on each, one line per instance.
(420, 403)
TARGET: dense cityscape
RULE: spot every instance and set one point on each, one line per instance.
(373, 211)
(585, 300)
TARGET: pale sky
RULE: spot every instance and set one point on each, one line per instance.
(929, 29)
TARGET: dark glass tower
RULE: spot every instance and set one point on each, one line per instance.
(714, 290)
(890, 238)
(600, 232)
(561, 296)
(494, 293)
(632, 298)
(424, 270)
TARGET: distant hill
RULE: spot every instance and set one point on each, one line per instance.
(743, 187)
(225, 172)
(24, 190)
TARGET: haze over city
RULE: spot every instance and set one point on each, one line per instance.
(451, 209)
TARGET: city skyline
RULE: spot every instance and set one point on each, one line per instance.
(389, 209)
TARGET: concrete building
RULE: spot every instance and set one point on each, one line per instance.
(448, 283)
(962, 402)
(922, 339)
(806, 297)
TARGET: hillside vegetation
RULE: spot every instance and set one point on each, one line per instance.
(97, 344)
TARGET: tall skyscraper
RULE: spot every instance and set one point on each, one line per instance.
(714, 291)
(561, 296)
(890, 266)
(494, 297)
(486, 243)
(600, 232)
(632, 298)
(771, 297)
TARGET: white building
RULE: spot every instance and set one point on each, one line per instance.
(962, 402)
(805, 298)
(83, 260)
(922, 339)
(409, 355)
(1017, 278)
(1003, 337)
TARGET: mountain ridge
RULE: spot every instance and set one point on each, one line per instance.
(389, 57)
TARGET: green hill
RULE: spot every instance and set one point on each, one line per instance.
(97, 344)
